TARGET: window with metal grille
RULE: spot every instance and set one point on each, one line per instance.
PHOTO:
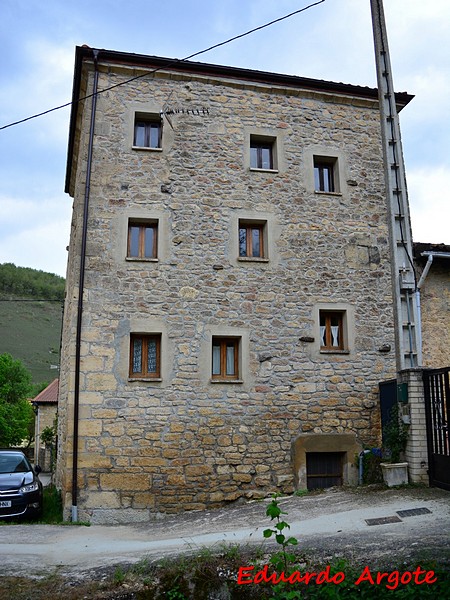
(324, 469)
(145, 356)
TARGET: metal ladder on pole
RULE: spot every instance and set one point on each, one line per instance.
(408, 345)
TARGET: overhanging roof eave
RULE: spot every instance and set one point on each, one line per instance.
(151, 62)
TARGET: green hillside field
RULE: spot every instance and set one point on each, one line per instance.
(31, 304)
(31, 332)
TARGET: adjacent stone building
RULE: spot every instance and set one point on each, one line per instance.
(435, 302)
(236, 317)
(45, 405)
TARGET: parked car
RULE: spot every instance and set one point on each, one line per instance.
(20, 488)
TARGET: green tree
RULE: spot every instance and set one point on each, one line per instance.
(16, 412)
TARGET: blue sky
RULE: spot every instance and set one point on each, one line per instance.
(331, 41)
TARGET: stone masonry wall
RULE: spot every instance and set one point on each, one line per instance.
(186, 443)
(435, 304)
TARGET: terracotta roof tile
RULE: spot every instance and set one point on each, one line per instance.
(49, 395)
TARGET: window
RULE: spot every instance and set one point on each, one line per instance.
(225, 358)
(262, 153)
(325, 174)
(145, 356)
(331, 330)
(147, 132)
(142, 240)
(251, 239)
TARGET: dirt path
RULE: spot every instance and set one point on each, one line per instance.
(329, 525)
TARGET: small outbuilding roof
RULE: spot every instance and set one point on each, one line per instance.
(49, 395)
(440, 252)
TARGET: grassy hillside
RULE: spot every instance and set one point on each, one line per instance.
(30, 319)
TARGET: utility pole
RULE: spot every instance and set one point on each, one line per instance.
(406, 311)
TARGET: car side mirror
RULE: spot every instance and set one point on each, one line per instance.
(37, 469)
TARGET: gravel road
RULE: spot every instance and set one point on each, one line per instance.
(328, 525)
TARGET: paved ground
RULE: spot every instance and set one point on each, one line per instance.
(329, 524)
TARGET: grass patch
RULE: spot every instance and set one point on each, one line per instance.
(208, 575)
(52, 512)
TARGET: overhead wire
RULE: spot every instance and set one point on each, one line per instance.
(169, 64)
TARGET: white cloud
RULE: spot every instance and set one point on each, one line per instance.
(331, 41)
(430, 208)
(35, 234)
(44, 83)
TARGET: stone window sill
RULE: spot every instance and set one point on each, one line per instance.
(252, 259)
(322, 351)
(255, 170)
(322, 193)
(145, 379)
(226, 380)
(139, 259)
(146, 149)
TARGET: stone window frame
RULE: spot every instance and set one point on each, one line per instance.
(120, 227)
(271, 233)
(347, 311)
(326, 155)
(143, 223)
(246, 378)
(150, 111)
(139, 324)
(144, 375)
(265, 136)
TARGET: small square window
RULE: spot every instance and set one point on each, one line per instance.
(225, 358)
(325, 177)
(142, 240)
(252, 242)
(147, 132)
(262, 154)
(145, 356)
(331, 330)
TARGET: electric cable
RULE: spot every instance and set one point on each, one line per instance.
(169, 64)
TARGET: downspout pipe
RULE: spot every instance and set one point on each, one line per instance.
(419, 310)
(361, 466)
(425, 271)
(80, 295)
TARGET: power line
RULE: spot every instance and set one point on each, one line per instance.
(31, 300)
(168, 64)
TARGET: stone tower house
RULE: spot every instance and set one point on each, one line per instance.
(236, 315)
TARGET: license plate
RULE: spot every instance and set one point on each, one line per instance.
(5, 503)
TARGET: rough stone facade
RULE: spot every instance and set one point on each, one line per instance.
(185, 441)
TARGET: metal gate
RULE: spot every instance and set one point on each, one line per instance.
(437, 411)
